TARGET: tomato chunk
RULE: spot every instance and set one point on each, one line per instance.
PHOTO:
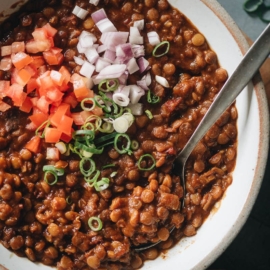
(52, 135)
(33, 145)
(21, 59)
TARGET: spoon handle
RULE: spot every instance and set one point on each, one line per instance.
(249, 65)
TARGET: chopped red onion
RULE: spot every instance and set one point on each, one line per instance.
(94, 2)
(135, 36)
(145, 81)
(109, 55)
(121, 99)
(112, 39)
(80, 12)
(99, 15)
(132, 66)
(112, 71)
(79, 61)
(87, 69)
(153, 38)
(91, 55)
(125, 50)
(123, 78)
(139, 24)
(101, 48)
(162, 81)
(124, 89)
(101, 63)
(136, 93)
(87, 39)
(136, 109)
(106, 26)
(143, 64)
(138, 50)
(80, 48)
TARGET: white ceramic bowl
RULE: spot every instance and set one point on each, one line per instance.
(222, 226)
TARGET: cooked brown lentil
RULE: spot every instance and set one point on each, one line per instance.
(38, 222)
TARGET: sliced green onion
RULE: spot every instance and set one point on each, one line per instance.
(149, 114)
(52, 168)
(162, 44)
(88, 126)
(83, 135)
(125, 149)
(108, 166)
(92, 180)
(113, 174)
(105, 138)
(43, 126)
(110, 85)
(47, 180)
(68, 200)
(144, 157)
(61, 146)
(134, 145)
(152, 98)
(102, 184)
(92, 226)
(106, 128)
(91, 166)
(88, 148)
(86, 102)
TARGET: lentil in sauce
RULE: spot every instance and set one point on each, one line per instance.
(49, 223)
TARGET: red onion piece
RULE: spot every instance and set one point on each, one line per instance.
(87, 69)
(138, 50)
(87, 39)
(123, 78)
(162, 81)
(79, 61)
(136, 93)
(124, 89)
(99, 15)
(139, 24)
(101, 48)
(143, 64)
(80, 12)
(135, 36)
(105, 26)
(132, 66)
(94, 2)
(112, 72)
(80, 48)
(101, 63)
(109, 55)
(153, 38)
(112, 39)
(91, 55)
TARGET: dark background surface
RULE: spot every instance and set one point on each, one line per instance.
(251, 248)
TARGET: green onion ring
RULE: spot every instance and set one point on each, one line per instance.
(102, 184)
(134, 145)
(163, 43)
(92, 227)
(84, 107)
(149, 114)
(51, 168)
(152, 98)
(124, 149)
(92, 180)
(47, 180)
(141, 159)
(43, 126)
(92, 168)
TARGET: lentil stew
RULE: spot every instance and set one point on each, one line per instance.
(79, 202)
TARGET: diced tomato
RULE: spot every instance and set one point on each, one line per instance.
(32, 85)
(31, 126)
(52, 153)
(97, 111)
(77, 118)
(22, 77)
(6, 50)
(66, 138)
(45, 80)
(35, 46)
(34, 101)
(4, 87)
(63, 109)
(53, 59)
(38, 117)
(15, 92)
(54, 95)
(43, 104)
(82, 93)
(27, 105)
(21, 59)
(4, 106)
(18, 46)
(32, 70)
(50, 30)
(56, 50)
(33, 145)
(42, 70)
(65, 125)
(5, 63)
(40, 34)
(57, 77)
(52, 135)
(38, 61)
(71, 100)
(64, 87)
(66, 74)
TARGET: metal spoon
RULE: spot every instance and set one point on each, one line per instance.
(249, 65)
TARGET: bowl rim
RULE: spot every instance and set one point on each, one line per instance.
(260, 93)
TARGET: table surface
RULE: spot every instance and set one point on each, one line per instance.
(251, 248)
